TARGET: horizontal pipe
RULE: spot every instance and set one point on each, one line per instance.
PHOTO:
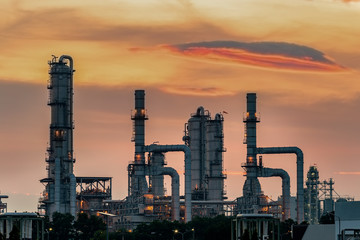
(299, 172)
(187, 153)
(276, 172)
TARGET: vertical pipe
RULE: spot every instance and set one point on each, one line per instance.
(71, 102)
(187, 153)
(299, 173)
(29, 229)
(2, 226)
(175, 186)
(273, 172)
(72, 195)
(9, 226)
(57, 185)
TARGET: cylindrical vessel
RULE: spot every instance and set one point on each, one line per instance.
(196, 139)
(157, 181)
(214, 158)
(60, 151)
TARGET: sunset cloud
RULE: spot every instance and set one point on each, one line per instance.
(347, 1)
(348, 173)
(273, 55)
(209, 91)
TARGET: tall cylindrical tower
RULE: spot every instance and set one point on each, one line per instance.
(195, 132)
(138, 184)
(214, 158)
(252, 186)
(156, 181)
(60, 190)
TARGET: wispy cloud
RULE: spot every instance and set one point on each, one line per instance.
(274, 55)
(347, 1)
(348, 173)
(208, 91)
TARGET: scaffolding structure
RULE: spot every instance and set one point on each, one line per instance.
(3, 206)
(320, 196)
(312, 206)
(91, 192)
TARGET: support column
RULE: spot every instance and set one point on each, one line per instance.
(2, 227)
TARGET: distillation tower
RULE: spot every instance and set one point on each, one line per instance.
(205, 138)
(60, 184)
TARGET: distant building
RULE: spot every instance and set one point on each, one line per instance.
(347, 219)
(24, 222)
(259, 226)
(319, 231)
(3, 206)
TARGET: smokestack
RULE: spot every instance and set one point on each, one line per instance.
(138, 184)
(252, 186)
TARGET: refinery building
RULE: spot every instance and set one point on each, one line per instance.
(203, 151)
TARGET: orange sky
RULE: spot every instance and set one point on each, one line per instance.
(117, 47)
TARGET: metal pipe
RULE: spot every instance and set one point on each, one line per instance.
(61, 59)
(57, 185)
(187, 153)
(275, 172)
(299, 173)
(175, 186)
(72, 195)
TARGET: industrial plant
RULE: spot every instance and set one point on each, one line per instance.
(203, 150)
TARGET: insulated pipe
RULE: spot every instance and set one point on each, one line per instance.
(275, 172)
(299, 172)
(175, 186)
(200, 111)
(57, 185)
(72, 195)
(61, 59)
(187, 152)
